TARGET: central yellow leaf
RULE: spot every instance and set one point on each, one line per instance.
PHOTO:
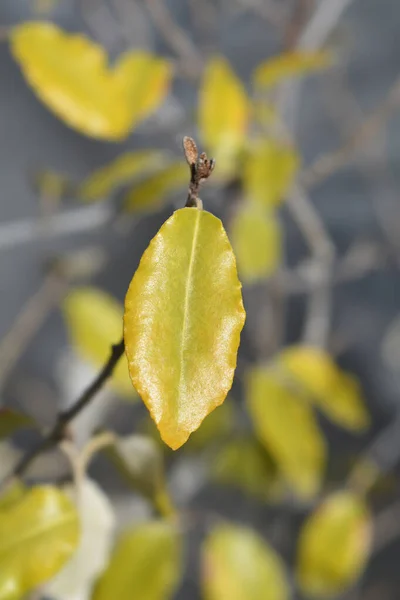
(182, 323)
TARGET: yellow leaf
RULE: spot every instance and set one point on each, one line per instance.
(334, 545)
(291, 64)
(239, 565)
(183, 318)
(102, 182)
(71, 76)
(256, 240)
(38, 535)
(146, 564)
(288, 428)
(151, 193)
(95, 322)
(243, 464)
(336, 393)
(269, 172)
(224, 112)
(145, 79)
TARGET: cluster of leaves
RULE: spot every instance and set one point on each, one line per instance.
(182, 322)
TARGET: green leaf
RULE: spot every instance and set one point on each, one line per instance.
(11, 421)
(239, 565)
(146, 564)
(256, 240)
(151, 193)
(243, 464)
(334, 545)
(183, 318)
(104, 181)
(287, 427)
(291, 64)
(335, 392)
(95, 321)
(70, 74)
(38, 535)
(223, 114)
(269, 172)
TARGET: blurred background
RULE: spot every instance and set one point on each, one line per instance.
(298, 102)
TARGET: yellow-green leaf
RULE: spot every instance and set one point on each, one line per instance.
(334, 545)
(151, 193)
(289, 430)
(224, 111)
(256, 240)
(243, 464)
(38, 535)
(335, 392)
(71, 76)
(291, 64)
(102, 182)
(13, 494)
(269, 172)
(238, 564)
(183, 318)
(146, 564)
(95, 322)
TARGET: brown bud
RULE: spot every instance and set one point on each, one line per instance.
(190, 149)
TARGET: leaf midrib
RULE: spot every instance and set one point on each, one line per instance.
(186, 304)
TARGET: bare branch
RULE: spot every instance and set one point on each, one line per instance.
(176, 38)
(327, 164)
(58, 432)
(317, 324)
(318, 29)
(16, 233)
(29, 321)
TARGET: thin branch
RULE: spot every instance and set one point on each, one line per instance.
(329, 163)
(176, 38)
(381, 456)
(359, 261)
(16, 233)
(316, 328)
(322, 23)
(297, 22)
(274, 14)
(58, 432)
(387, 527)
(29, 321)
(4, 33)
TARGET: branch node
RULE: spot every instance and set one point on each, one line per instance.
(201, 168)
